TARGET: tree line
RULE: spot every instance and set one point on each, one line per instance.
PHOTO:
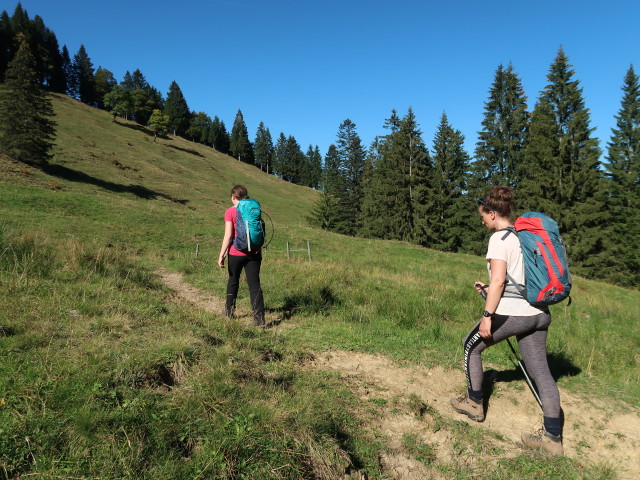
(135, 99)
(399, 187)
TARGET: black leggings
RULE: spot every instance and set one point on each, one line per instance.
(531, 333)
(251, 265)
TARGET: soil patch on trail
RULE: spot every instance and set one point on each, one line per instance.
(409, 408)
(206, 301)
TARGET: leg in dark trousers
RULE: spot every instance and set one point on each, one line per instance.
(252, 271)
(234, 266)
(251, 265)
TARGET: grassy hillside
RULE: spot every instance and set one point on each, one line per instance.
(106, 374)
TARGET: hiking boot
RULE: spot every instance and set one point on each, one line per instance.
(469, 407)
(545, 441)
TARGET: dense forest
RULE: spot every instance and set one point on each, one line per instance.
(399, 187)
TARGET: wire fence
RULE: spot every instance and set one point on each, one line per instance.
(288, 250)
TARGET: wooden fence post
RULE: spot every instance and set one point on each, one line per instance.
(197, 249)
(288, 256)
(309, 249)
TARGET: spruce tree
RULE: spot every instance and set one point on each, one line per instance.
(501, 143)
(239, 143)
(450, 210)
(218, 136)
(6, 43)
(84, 78)
(623, 171)
(351, 155)
(315, 167)
(335, 193)
(280, 156)
(373, 210)
(263, 149)
(67, 67)
(325, 212)
(564, 170)
(27, 129)
(177, 109)
(296, 172)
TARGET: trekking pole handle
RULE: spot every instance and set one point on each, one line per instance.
(483, 290)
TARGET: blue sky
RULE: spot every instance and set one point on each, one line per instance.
(304, 66)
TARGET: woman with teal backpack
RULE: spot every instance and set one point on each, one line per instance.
(507, 313)
(249, 259)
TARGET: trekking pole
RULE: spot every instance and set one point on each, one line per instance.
(520, 363)
(526, 375)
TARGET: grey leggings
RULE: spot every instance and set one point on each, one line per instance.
(531, 333)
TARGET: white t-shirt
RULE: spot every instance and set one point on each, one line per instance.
(511, 303)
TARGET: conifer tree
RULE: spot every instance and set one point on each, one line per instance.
(239, 143)
(623, 170)
(374, 212)
(315, 167)
(503, 137)
(6, 39)
(569, 179)
(295, 161)
(67, 67)
(263, 149)
(218, 136)
(403, 151)
(279, 156)
(331, 204)
(27, 129)
(84, 78)
(351, 156)
(177, 109)
(449, 208)
(55, 76)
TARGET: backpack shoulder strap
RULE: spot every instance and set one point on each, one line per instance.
(507, 231)
(519, 287)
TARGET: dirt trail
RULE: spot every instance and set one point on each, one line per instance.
(593, 432)
(205, 301)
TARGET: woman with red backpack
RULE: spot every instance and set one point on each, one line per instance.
(507, 313)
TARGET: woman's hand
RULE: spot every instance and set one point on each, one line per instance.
(485, 327)
(221, 261)
(479, 286)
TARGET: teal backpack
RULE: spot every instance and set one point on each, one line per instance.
(546, 272)
(249, 226)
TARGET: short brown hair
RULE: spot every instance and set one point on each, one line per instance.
(239, 192)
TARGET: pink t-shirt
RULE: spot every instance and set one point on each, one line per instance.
(230, 216)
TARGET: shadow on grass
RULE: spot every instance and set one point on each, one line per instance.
(559, 364)
(81, 177)
(137, 127)
(185, 150)
(317, 300)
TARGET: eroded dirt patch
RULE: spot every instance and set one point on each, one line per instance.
(593, 431)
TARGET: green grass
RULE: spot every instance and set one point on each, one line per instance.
(104, 375)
